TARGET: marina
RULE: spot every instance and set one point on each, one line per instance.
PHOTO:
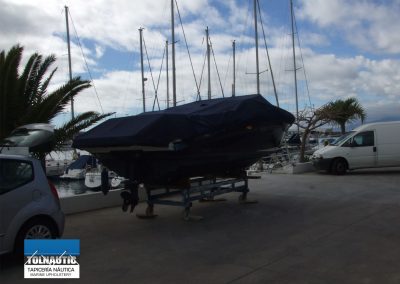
(218, 169)
(308, 228)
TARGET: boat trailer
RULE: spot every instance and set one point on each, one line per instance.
(202, 189)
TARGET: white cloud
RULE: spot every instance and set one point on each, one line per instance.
(369, 80)
(370, 25)
(314, 39)
(116, 93)
(383, 110)
(111, 27)
(99, 51)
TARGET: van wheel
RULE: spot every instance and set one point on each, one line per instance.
(339, 167)
(34, 229)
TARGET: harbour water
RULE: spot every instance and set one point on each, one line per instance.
(67, 187)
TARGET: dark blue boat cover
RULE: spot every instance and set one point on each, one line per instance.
(184, 122)
(82, 162)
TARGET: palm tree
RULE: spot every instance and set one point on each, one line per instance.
(24, 98)
(346, 111)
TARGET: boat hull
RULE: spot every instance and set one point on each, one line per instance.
(93, 178)
(234, 154)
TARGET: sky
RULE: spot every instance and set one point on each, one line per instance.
(343, 49)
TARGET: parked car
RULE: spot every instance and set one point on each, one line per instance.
(29, 203)
(368, 146)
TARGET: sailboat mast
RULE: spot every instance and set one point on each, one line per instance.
(208, 65)
(142, 69)
(234, 68)
(294, 64)
(166, 51)
(173, 54)
(69, 59)
(256, 38)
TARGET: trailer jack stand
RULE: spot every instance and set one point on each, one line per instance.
(243, 199)
(188, 217)
(149, 214)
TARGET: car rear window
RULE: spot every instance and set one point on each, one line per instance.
(14, 173)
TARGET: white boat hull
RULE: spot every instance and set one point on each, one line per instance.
(74, 174)
(56, 167)
(93, 179)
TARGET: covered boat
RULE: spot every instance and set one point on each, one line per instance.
(218, 137)
(78, 168)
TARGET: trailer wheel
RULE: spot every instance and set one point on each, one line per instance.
(339, 166)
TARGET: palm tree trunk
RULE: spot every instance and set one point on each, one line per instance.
(343, 128)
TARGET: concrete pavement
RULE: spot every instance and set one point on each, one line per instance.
(309, 228)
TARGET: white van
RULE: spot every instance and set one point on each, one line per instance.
(368, 146)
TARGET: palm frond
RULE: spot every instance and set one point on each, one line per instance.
(31, 81)
(23, 79)
(44, 66)
(9, 88)
(24, 98)
(43, 87)
(54, 103)
(71, 128)
(345, 111)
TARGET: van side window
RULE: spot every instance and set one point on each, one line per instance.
(14, 173)
(363, 139)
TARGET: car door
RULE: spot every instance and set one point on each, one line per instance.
(16, 177)
(362, 151)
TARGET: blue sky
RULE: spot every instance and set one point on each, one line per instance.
(349, 48)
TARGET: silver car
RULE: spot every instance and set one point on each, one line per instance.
(29, 203)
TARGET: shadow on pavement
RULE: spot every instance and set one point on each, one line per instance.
(8, 261)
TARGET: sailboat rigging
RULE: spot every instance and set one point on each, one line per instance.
(173, 54)
(294, 65)
(142, 69)
(256, 8)
(234, 68)
(69, 59)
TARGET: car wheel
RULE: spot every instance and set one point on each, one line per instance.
(339, 167)
(35, 229)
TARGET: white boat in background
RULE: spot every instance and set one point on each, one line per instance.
(74, 174)
(93, 177)
(58, 161)
(78, 168)
(117, 181)
(56, 167)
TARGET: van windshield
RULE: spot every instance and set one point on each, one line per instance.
(342, 138)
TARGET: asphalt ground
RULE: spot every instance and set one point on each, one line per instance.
(308, 228)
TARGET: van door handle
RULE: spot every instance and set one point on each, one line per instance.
(374, 149)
